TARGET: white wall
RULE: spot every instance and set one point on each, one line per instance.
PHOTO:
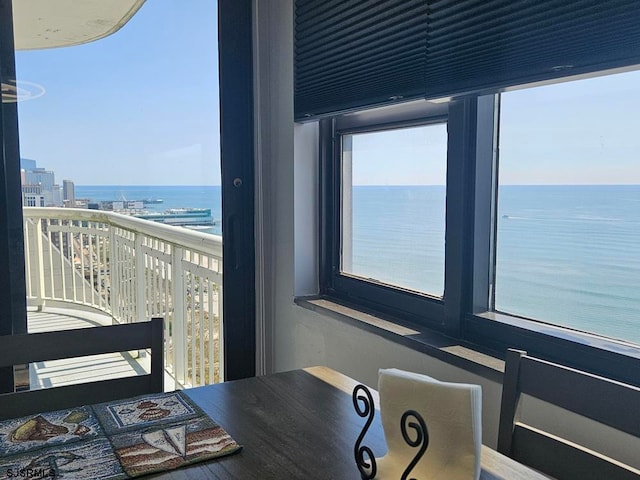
(288, 185)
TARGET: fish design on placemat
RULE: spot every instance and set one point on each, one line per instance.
(170, 440)
(37, 428)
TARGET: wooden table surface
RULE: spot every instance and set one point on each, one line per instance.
(300, 425)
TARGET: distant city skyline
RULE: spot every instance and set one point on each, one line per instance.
(140, 107)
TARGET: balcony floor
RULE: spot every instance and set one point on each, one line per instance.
(55, 373)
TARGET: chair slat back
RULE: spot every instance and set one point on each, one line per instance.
(36, 347)
(563, 459)
(606, 401)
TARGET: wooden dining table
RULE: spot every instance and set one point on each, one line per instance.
(301, 425)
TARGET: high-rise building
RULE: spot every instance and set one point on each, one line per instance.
(68, 193)
(46, 178)
(32, 200)
(51, 191)
(27, 164)
(32, 196)
(54, 196)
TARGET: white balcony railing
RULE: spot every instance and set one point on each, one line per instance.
(133, 270)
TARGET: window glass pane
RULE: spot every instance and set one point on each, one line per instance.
(128, 125)
(393, 200)
(568, 223)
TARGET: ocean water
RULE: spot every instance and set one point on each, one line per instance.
(571, 255)
(398, 236)
(568, 255)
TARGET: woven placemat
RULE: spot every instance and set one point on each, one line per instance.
(113, 440)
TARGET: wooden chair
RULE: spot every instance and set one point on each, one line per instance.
(609, 402)
(36, 347)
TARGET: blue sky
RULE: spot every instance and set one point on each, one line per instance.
(138, 107)
(141, 108)
(580, 132)
(408, 156)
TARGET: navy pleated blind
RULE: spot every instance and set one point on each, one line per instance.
(361, 53)
(354, 53)
(476, 44)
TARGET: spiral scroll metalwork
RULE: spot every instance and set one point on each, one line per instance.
(366, 466)
(421, 440)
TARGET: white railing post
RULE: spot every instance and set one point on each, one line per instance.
(114, 277)
(140, 278)
(27, 257)
(39, 284)
(178, 315)
(151, 266)
(220, 336)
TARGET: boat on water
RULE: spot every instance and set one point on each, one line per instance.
(152, 201)
(180, 216)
